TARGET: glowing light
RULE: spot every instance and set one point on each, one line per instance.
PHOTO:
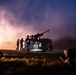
(10, 33)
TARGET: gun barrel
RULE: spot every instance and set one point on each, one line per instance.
(45, 31)
(41, 34)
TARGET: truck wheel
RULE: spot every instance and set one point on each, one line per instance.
(1, 54)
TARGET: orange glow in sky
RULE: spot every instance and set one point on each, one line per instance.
(9, 33)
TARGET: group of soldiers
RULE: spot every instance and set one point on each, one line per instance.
(32, 42)
(24, 44)
(19, 44)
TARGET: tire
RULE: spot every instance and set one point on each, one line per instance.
(1, 54)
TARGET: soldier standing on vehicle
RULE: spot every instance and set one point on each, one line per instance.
(21, 44)
(17, 45)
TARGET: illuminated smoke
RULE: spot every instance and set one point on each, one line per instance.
(11, 31)
(23, 17)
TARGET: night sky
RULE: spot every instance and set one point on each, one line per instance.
(19, 18)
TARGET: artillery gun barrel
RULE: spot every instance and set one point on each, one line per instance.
(45, 31)
(40, 34)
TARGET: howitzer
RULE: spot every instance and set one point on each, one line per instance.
(36, 43)
(41, 34)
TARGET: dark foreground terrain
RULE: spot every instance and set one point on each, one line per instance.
(20, 68)
(21, 63)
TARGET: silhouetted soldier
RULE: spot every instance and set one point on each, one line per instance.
(32, 39)
(21, 44)
(27, 42)
(17, 45)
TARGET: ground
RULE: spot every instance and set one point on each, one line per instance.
(22, 63)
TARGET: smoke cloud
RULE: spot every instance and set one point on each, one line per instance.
(11, 30)
(19, 18)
